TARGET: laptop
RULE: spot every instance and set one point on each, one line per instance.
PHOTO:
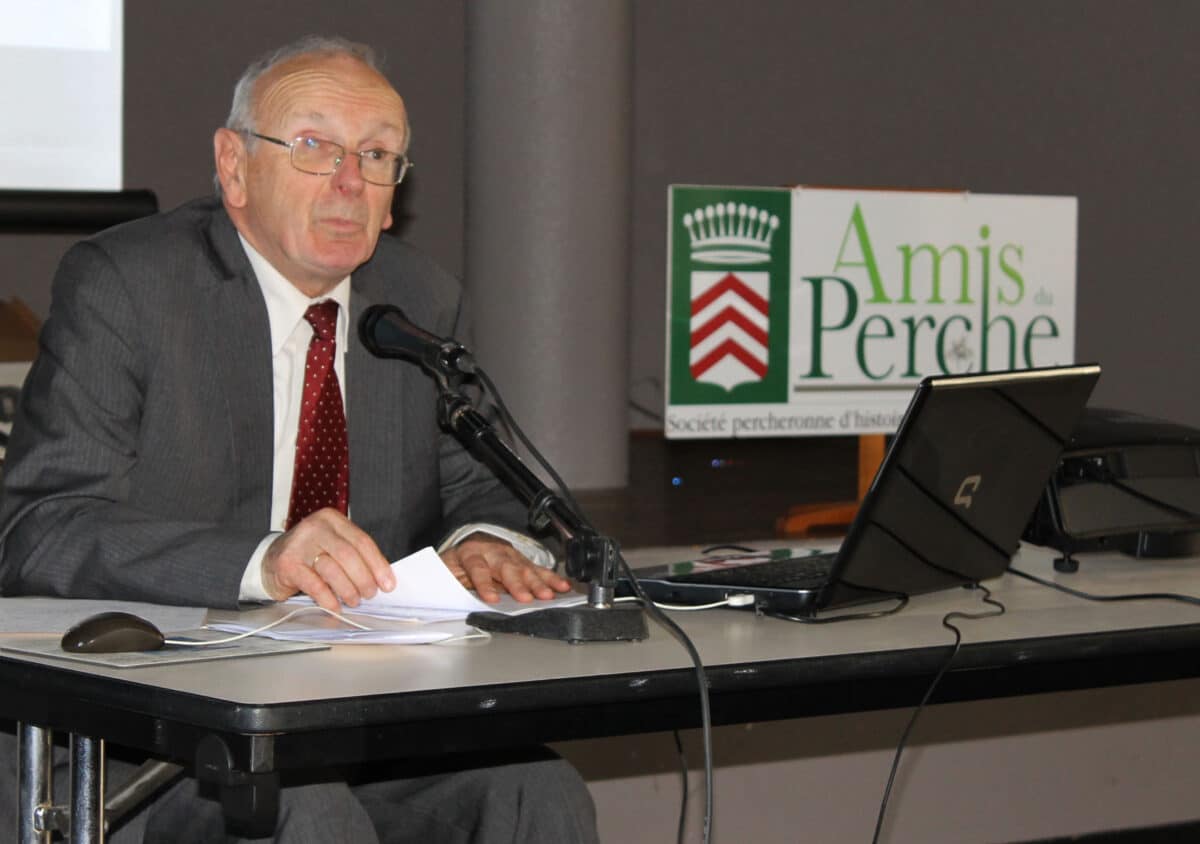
(947, 507)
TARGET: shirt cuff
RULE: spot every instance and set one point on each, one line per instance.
(252, 587)
(537, 553)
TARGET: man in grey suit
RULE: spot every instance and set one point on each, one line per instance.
(156, 455)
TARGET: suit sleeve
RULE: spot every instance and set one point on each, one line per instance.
(70, 523)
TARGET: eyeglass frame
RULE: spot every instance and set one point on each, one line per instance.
(405, 162)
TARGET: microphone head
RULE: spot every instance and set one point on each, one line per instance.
(387, 333)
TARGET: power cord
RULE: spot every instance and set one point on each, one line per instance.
(901, 603)
(512, 425)
(1087, 596)
(702, 683)
(645, 411)
(653, 611)
(739, 548)
(946, 622)
(1101, 473)
(1000, 610)
(683, 777)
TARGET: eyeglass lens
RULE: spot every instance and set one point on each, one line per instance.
(380, 167)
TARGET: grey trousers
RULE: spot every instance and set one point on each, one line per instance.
(532, 796)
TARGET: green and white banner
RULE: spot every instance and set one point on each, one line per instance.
(816, 312)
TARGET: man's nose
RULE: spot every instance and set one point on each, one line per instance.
(348, 176)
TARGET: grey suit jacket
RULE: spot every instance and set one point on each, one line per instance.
(140, 464)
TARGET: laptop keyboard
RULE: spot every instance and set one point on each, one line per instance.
(790, 573)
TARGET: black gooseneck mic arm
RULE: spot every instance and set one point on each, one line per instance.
(590, 556)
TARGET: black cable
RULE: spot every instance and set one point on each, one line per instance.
(1153, 501)
(742, 548)
(987, 599)
(683, 778)
(901, 603)
(1101, 473)
(1087, 596)
(654, 612)
(537, 455)
(701, 680)
(641, 408)
(900, 598)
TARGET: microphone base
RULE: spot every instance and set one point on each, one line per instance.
(569, 624)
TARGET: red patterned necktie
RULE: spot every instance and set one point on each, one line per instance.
(322, 474)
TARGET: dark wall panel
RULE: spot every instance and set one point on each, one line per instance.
(1092, 99)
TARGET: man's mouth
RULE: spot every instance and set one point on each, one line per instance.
(341, 224)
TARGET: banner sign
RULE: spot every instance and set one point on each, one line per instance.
(816, 312)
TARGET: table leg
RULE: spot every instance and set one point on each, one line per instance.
(249, 799)
(87, 790)
(35, 781)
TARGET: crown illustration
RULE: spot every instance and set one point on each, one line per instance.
(730, 233)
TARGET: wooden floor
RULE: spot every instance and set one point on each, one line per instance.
(687, 492)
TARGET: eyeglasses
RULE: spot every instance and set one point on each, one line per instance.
(320, 158)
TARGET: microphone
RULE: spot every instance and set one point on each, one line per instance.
(387, 333)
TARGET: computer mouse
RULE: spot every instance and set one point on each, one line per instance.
(112, 632)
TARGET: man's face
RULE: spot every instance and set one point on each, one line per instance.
(314, 229)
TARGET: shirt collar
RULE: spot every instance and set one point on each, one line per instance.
(286, 304)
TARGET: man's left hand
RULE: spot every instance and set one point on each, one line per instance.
(491, 567)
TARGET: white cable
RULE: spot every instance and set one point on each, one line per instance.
(275, 623)
(692, 607)
(466, 637)
(731, 601)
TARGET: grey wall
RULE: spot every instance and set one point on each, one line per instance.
(1094, 99)
(1091, 99)
(547, 221)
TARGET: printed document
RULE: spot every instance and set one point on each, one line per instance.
(428, 605)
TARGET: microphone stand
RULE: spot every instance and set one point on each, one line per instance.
(591, 557)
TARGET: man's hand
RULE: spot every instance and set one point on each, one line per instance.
(328, 558)
(492, 567)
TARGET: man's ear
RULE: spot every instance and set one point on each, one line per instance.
(229, 154)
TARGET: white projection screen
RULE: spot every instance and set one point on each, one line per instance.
(61, 100)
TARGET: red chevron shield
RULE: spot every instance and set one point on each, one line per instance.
(730, 317)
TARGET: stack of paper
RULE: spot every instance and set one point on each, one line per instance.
(427, 605)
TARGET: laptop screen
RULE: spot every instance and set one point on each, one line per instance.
(947, 506)
(961, 479)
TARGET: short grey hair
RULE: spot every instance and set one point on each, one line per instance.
(241, 113)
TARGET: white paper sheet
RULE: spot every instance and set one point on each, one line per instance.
(316, 626)
(427, 591)
(428, 605)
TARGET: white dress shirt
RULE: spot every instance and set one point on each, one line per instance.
(290, 336)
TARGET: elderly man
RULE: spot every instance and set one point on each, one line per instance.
(193, 367)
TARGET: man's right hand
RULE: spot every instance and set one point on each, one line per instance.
(329, 558)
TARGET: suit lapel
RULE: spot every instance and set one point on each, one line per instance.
(241, 355)
(375, 390)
